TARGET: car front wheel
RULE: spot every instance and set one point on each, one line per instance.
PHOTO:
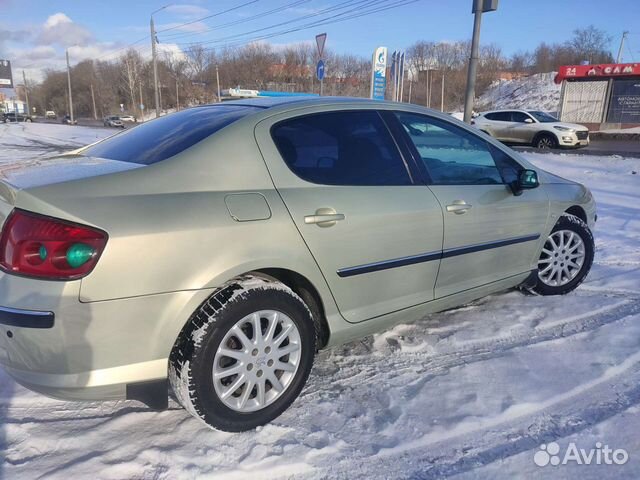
(245, 355)
(566, 257)
(546, 141)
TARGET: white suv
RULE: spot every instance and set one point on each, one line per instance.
(531, 127)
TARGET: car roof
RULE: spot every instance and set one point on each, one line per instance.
(508, 110)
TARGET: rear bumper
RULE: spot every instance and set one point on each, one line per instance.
(52, 343)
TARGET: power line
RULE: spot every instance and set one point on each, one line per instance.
(209, 16)
(340, 6)
(326, 21)
(173, 36)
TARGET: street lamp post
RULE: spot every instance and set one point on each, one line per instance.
(479, 6)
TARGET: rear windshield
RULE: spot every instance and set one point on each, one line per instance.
(167, 136)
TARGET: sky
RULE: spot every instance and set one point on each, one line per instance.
(35, 33)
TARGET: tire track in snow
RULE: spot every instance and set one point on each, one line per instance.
(364, 370)
(439, 456)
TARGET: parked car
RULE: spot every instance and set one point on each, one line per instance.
(221, 246)
(50, 114)
(16, 117)
(532, 127)
(113, 121)
(128, 118)
(67, 120)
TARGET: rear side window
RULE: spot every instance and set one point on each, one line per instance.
(341, 148)
(499, 116)
(167, 136)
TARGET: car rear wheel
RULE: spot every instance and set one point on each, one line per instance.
(566, 257)
(546, 141)
(245, 355)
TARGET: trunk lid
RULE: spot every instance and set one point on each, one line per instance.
(64, 168)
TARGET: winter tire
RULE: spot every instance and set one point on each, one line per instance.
(245, 355)
(546, 141)
(566, 257)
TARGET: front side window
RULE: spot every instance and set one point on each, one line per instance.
(543, 117)
(167, 136)
(451, 155)
(341, 148)
(520, 117)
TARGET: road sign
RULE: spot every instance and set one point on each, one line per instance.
(320, 40)
(6, 79)
(320, 70)
(379, 73)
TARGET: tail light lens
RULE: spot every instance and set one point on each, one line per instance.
(37, 246)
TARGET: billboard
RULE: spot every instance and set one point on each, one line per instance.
(624, 106)
(6, 79)
(379, 73)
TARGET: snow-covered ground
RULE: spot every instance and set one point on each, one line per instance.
(536, 92)
(469, 393)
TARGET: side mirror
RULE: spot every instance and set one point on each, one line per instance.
(527, 179)
(528, 120)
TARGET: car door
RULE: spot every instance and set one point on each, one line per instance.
(522, 127)
(496, 124)
(376, 236)
(489, 233)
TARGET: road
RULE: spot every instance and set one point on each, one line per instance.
(625, 148)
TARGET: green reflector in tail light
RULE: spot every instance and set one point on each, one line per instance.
(42, 251)
(78, 254)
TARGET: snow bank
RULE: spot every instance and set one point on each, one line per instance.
(536, 92)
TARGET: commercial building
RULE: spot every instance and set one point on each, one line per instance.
(600, 96)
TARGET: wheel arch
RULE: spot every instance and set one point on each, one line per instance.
(577, 211)
(544, 133)
(309, 293)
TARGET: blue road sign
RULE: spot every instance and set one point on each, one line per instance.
(320, 70)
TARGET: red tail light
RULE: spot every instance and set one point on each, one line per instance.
(38, 246)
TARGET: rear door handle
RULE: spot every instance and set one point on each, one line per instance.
(458, 207)
(324, 217)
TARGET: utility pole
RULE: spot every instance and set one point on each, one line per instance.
(141, 102)
(624, 36)
(155, 62)
(218, 82)
(177, 96)
(479, 6)
(155, 67)
(428, 89)
(93, 100)
(26, 92)
(69, 85)
(442, 94)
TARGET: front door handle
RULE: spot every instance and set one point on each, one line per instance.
(458, 207)
(324, 217)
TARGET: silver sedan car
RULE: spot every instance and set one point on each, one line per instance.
(215, 250)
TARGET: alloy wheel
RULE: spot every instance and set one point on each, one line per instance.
(561, 259)
(545, 143)
(256, 361)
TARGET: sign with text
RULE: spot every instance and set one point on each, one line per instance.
(379, 73)
(624, 106)
(6, 79)
(590, 71)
